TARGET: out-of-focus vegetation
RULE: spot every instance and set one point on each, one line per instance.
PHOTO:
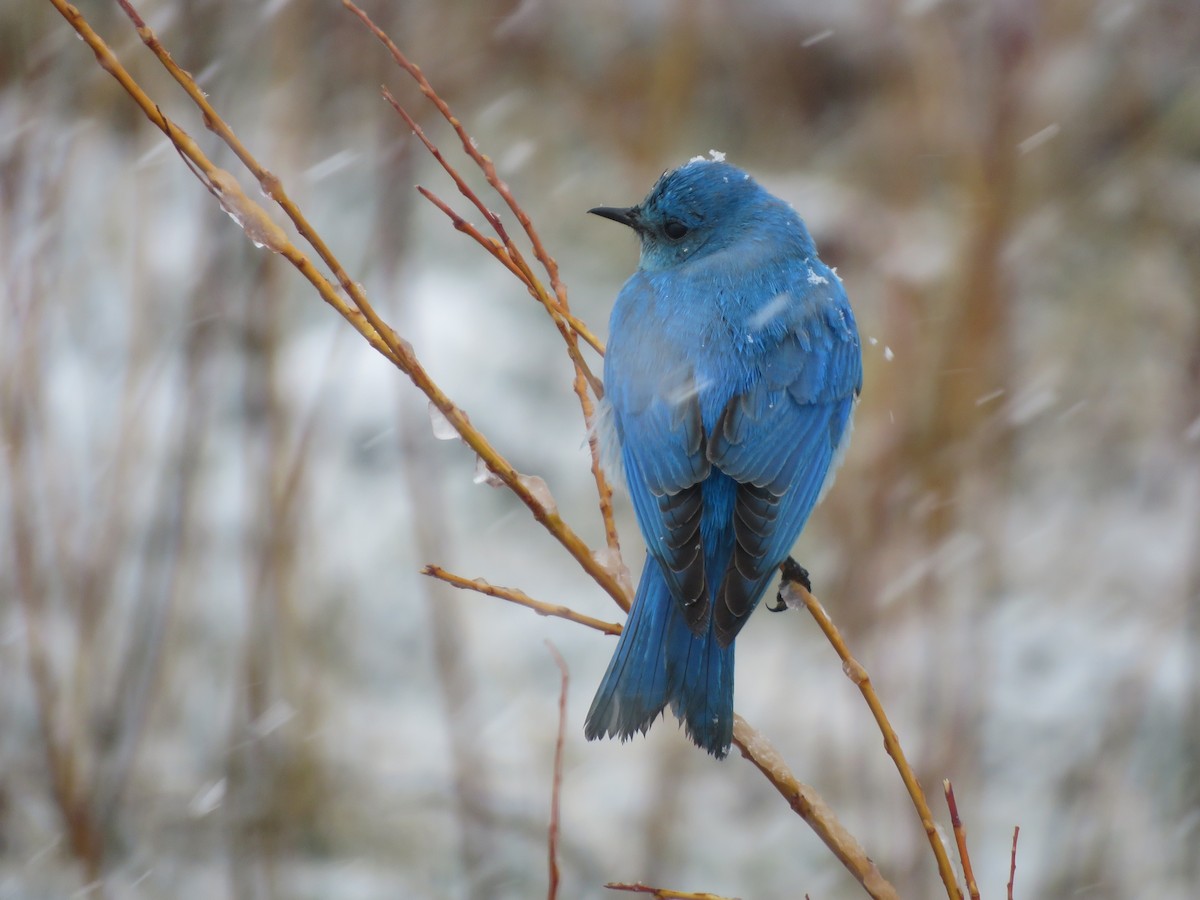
(214, 499)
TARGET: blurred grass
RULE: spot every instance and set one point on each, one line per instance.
(209, 496)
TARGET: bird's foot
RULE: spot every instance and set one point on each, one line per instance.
(792, 572)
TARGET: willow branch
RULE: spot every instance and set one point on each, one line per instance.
(262, 231)
(520, 598)
(809, 805)
(494, 247)
(556, 786)
(222, 183)
(960, 839)
(661, 893)
(806, 802)
(268, 181)
(796, 595)
(480, 159)
(497, 250)
(1012, 864)
(557, 306)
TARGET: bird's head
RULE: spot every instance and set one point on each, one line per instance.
(698, 209)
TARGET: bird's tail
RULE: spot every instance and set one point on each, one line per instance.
(659, 661)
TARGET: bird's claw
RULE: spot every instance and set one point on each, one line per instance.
(793, 573)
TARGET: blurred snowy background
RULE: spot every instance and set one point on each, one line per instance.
(215, 499)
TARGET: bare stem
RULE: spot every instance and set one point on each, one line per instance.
(960, 838)
(795, 594)
(809, 805)
(1012, 863)
(556, 306)
(497, 250)
(62, 761)
(556, 787)
(512, 595)
(661, 893)
(483, 161)
(270, 184)
(364, 319)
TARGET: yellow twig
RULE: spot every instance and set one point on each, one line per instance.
(662, 893)
(215, 179)
(960, 838)
(809, 805)
(556, 306)
(805, 801)
(480, 159)
(268, 181)
(1012, 864)
(512, 595)
(856, 673)
(364, 319)
(556, 785)
(498, 250)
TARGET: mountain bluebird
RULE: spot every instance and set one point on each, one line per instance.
(732, 370)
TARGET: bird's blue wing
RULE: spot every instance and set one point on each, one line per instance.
(652, 389)
(781, 435)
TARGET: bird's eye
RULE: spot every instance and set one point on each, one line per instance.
(675, 229)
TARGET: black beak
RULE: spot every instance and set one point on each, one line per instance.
(631, 216)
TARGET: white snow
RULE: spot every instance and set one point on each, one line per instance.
(484, 475)
(443, 429)
(208, 799)
(1038, 138)
(539, 490)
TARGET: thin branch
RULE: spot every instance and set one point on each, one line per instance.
(214, 179)
(795, 595)
(512, 595)
(557, 306)
(483, 161)
(556, 788)
(960, 838)
(58, 743)
(605, 494)
(809, 805)
(497, 250)
(270, 184)
(493, 218)
(1012, 863)
(494, 247)
(37, 564)
(662, 893)
(364, 319)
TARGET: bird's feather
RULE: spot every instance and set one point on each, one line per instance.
(778, 438)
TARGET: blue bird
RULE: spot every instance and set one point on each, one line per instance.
(732, 371)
